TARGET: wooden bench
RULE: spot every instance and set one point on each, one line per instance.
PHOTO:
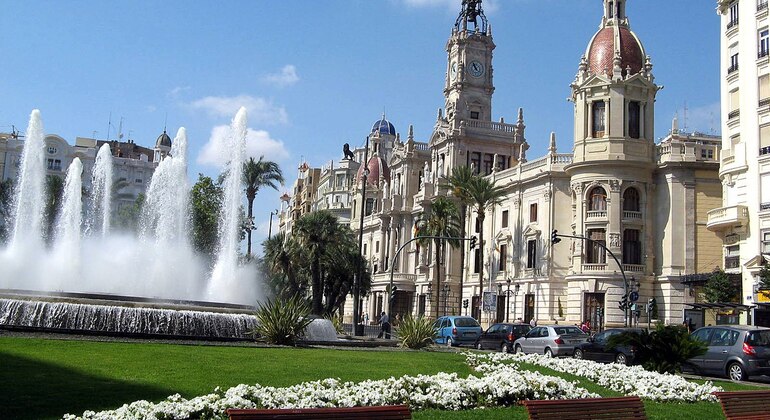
(587, 408)
(745, 404)
(385, 412)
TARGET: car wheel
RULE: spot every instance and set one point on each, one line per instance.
(548, 352)
(621, 359)
(517, 349)
(735, 372)
(449, 342)
(505, 348)
(578, 354)
(479, 346)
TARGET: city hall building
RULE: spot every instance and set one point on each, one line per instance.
(644, 206)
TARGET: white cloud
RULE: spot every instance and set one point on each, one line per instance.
(177, 91)
(258, 143)
(287, 76)
(260, 110)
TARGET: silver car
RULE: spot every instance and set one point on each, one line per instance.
(551, 340)
(737, 351)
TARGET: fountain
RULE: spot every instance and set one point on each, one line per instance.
(91, 278)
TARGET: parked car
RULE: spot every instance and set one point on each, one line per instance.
(736, 351)
(598, 349)
(501, 336)
(551, 340)
(456, 330)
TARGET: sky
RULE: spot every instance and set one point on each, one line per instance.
(315, 74)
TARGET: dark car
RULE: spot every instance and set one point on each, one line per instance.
(736, 351)
(456, 330)
(501, 336)
(597, 348)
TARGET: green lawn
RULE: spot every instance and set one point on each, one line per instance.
(47, 378)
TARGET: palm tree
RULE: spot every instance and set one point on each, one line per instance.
(442, 220)
(461, 176)
(257, 174)
(317, 233)
(481, 193)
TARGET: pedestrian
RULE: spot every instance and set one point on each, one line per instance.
(366, 318)
(532, 322)
(384, 326)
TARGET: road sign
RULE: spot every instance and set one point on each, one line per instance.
(633, 296)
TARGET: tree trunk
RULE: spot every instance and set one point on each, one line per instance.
(248, 231)
(315, 268)
(437, 246)
(481, 216)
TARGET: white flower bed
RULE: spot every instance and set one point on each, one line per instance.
(499, 385)
(629, 380)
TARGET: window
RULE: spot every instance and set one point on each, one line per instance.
(531, 253)
(612, 10)
(138, 180)
(598, 200)
(764, 139)
(594, 251)
(764, 89)
(377, 246)
(505, 218)
(632, 247)
(503, 258)
(634, 120)
(478, 225)
(502, 162)
(703, 335)
(54, 164)
(733, 15)
(764, 43)
(733, 54)
(476, 260)
(722, 337)
(598, 119)
(761, 5)
(766, 242)
(533, 212)
(51, 150)
(476, 162)
(369, 207)
(488, 161)
(365, 249)
(474, 115)
(631, 200)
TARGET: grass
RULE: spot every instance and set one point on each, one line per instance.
(42, 378)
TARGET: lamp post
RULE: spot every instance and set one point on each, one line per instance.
(270, 228)
(357, 279)
(445, 291)
(508, 294)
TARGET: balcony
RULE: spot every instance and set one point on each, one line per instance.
(764, 150)
(594, 267)
(764, 102)
(632, 215)
(762, 5)
(734, 114)
(727, 217)
(732, 69)
(596, 214)
(733, 23)
(633, 268)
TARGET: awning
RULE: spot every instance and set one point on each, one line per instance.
(702, 278)
(736, 306)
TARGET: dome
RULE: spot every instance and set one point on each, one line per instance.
(163, 140)
(384, 126)
(377, 169)
(601, 51)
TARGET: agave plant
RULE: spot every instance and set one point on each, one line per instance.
(415, 333)
(281, 322)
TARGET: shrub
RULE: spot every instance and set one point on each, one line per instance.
(281, 322)
(415, 333)
(664, 350)
(337, 323)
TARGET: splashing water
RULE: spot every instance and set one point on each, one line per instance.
(28, 201)
(101, 184)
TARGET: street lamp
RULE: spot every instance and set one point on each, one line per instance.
(508, 294)
(270, 229)
(445, 291)
(357, 278)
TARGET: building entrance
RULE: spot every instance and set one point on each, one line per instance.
(593, 310)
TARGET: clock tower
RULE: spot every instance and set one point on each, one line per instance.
(468, 89)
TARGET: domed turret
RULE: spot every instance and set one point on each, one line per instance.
(615, 44)
(377, 169)
(384, 126)
(163, 140)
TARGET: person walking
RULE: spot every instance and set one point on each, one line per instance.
(532, 323)
(384, 326)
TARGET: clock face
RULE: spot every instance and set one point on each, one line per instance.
(476, 69)
(453, 71)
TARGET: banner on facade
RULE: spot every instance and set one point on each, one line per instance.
(763, 296)
(490, 302)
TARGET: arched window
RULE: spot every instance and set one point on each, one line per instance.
(595, 253)
(634, 119)
(631, 200)
(598, 119)
(597, 199)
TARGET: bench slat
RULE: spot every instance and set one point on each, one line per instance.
(745, 404)
(385, 412)
(588, 408)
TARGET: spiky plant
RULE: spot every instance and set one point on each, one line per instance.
(664, 349)
(281, 322)
(415, 333)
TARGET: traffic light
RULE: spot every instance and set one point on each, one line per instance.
(555, 239)
(465, 303)
(393, 292)
(474, 239)
(651, 304)
(623, 303)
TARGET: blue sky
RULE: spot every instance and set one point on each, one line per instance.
(316, 74)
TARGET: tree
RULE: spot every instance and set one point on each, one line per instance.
(481, 193)
(258, 174)
(461, 175)
(54, 194)
(127, 217)
(340, 267)
(206, 201)
(764, 277)
(279, 257)
(441, 220)
(664, 349)
(316, 233)
(719, 288)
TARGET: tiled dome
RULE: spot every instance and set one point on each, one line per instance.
(384, 126)
(601, 50)
(377, 168)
